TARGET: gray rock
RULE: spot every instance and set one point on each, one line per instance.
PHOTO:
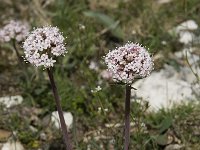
(10, 101)
(169, 86)
(164, 89)
(163, 1)
(184, 31)
(56, 121)
(174, 147)
(11, 145)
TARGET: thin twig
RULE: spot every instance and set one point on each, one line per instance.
(190, 66)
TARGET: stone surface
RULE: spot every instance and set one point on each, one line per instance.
(187, 25)
(163, 1)
(171, 86)
(10, 101)
(185, 31)
(56, 121)
(12, 146)
(4, 135)
(193, 59)
(161, 89)
(174, 147)
(186, 37)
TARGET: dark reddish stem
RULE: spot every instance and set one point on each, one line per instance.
(127, 117)
(17, 52)
(60, 112)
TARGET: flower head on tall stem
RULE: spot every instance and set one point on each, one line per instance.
(43, 45)
(129, 62)
(14, 30)
(125, 64)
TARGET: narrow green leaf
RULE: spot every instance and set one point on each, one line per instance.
(161, 139)
(107, 21)
(166, 123)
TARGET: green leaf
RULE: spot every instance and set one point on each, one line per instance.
(161, 139)
(107, 21)
(166, 123)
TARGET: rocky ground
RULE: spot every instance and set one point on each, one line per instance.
(165, 109)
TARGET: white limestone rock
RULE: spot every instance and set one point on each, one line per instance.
(185, 31)
(174, 147)
(12, 146)
(186, 37)
(56, 121)
(163, 89)
(185, 71)
(188, 25)
(10, 101)
(163, 1)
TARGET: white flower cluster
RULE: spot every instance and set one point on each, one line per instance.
(97, 89)
(129, 62)
(43, 45)
(93, 66)
(14, 30)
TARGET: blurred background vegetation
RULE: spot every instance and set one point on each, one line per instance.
(92, 28)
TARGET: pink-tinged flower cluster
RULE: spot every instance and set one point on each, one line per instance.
(16, 30)
(43, 45)
(129, 62)
(106, 74)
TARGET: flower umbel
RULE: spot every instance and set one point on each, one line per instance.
(43, 45)
(129, 62)
(16, 30)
